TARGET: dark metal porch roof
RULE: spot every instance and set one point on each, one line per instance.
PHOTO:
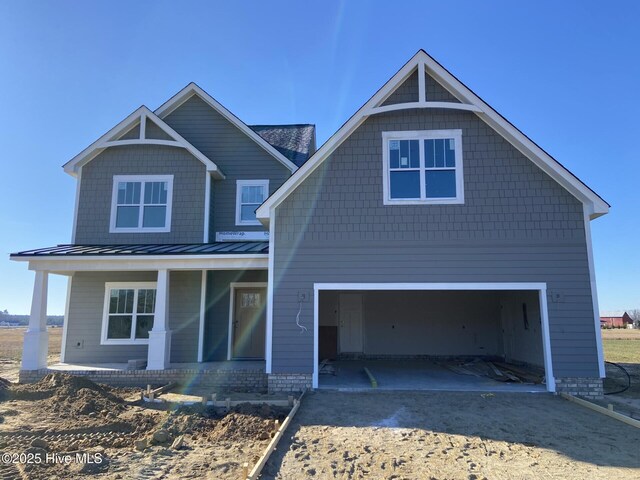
(216, 248)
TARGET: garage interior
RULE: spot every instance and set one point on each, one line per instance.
(475, 340)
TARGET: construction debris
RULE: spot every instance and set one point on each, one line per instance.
(499, 371)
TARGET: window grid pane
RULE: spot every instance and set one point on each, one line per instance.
(251, 197)
(438, 165)
(119, 327)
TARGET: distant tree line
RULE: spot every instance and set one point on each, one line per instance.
(6, 317)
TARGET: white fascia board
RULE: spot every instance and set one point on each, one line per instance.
(94, 149)
(514, 136)
(256, 261)
(106, 141)
(192, 89)
(596, 205)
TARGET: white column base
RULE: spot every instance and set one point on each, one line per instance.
(35, 349)
(159, 350)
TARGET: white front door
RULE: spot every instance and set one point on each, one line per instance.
(350, 316)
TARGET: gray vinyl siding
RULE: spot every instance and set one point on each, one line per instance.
(237, 155)
(86, 309)
(184, 315)
(85, 319)
(517, 225)
(216, 333)
(96, 186)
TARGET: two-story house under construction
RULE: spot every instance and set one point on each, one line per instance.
(427, 227)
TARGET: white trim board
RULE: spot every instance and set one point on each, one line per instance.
(110, 139)
(254, 261)
(65, 325)
(203, 309)
(541, 288)
(192, 89)
(594, 296)
(595, 204)
(233, 286)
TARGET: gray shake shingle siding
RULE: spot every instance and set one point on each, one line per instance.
(238, 156)
(517, 225)
(408, 91)
(96, 186)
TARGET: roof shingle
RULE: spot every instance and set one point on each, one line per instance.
(295, 142)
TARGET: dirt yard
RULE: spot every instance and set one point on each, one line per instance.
(387, 435)
(67, 415)
(11, 349)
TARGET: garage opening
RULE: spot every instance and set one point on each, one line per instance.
(429, 337)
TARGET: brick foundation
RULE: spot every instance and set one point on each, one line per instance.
(247, 380)
(587, 387)
(289, 382)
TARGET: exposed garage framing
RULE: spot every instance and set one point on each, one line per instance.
(541, 288)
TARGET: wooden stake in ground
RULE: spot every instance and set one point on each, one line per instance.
(257, 468)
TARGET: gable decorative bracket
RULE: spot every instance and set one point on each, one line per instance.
(113, 138)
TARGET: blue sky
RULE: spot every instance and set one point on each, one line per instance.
(566, 73)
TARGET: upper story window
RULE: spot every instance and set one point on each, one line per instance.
(141, 203)
(423, 167)
(250, 194)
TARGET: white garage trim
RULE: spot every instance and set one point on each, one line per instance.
(541, 288)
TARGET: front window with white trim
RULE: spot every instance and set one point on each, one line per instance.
(423, 167)
(128, 313)
(250, 194)
(141, 203)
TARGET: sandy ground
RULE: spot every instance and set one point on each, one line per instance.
(386, 435)
(66, 415)
(11, 339)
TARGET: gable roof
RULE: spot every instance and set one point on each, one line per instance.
(192, 89)
(138, 117)
(296, 142)
(424, 63)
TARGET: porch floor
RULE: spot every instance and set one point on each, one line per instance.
(231, 365)
(412, 374)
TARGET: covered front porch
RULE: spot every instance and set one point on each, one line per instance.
(137, 314)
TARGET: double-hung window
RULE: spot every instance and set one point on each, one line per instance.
(250, 194)
(129, 310)
(423, 167)
(141, 203)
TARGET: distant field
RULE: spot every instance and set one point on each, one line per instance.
(11, 343)
(621, 345)
(621, 333)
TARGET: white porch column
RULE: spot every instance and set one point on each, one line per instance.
(36, 338)
(160, 335)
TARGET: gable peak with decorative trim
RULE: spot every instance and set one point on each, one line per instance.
(425, 65)
(135, 129)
